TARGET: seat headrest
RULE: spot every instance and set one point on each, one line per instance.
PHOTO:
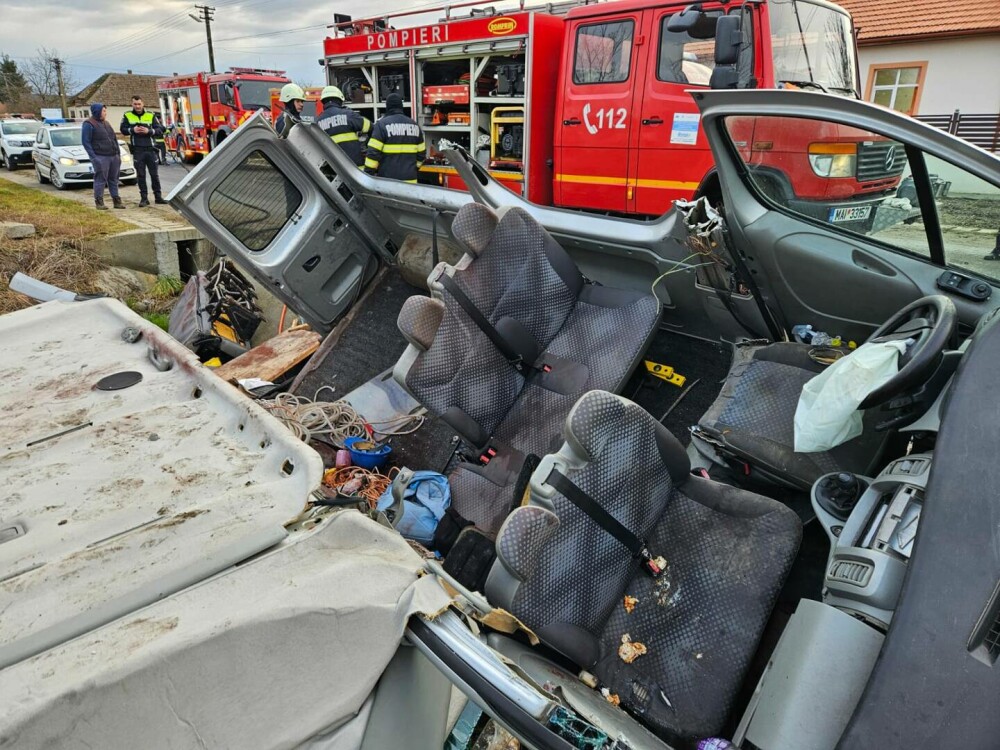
(593, 421)
(473, 226)
(419, 320)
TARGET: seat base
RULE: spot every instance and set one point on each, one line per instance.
(752, 419)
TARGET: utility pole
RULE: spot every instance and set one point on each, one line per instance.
(62, 87)
(205, 16)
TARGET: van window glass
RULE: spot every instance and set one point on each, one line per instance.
(683, 58)
(849, 178)
(255, 201)
(603, 52)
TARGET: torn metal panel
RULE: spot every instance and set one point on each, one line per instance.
(126, 496)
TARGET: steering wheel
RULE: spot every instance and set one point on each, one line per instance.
(930, 321)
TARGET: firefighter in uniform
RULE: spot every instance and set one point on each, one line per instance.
(343, 125)
(143, 128)
(396, 147)
(293, 100)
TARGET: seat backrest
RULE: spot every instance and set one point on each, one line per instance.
(513, 271)
(557, 570)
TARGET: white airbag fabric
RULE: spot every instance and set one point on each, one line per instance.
(827, 414)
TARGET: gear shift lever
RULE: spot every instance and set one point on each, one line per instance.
(838, 493)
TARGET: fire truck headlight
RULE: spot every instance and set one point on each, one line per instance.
(833, 159)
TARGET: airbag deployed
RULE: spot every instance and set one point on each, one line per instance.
(827, 414)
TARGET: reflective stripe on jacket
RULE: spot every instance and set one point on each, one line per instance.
(344, 126)
(147, 119)
(396, 148)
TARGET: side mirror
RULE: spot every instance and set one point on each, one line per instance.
(733, 53)
(686, 20)
(44, 146)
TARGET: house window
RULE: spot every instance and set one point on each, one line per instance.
(897, 85)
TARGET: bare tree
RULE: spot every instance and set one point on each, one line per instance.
(43, 79)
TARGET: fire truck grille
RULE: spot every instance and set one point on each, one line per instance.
(879, 160)
(255, 201)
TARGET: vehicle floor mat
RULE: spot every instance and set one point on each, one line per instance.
(697, 360)
(370, 344)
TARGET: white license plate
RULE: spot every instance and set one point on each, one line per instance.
(856, 213)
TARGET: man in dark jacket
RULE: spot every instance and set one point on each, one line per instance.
(396, 147)
(101, 145)
(142, 129)
(343, 125)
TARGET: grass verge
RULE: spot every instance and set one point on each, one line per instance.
(56, 253)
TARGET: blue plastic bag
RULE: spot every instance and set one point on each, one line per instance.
(426, 499)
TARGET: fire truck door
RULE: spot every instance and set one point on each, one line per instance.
(595, 120)
(671, 153)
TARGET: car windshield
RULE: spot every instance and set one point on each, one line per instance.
(256, 94)
(20, 128)
(66, 137)
(813, 46)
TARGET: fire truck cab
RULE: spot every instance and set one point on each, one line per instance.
(201, 109)
(589, 105)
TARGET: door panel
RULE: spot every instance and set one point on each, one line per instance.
(673, 155)
(842, 242)
(593, 130)
(300, 231)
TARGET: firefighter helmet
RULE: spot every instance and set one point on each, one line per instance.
(331, 92)
(290, 92)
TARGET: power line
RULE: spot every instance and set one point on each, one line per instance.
(135, 37)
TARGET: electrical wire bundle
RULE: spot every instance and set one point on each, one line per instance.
(351, 481)
(333, 421)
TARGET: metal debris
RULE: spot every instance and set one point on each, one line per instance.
(630, 650)
(630, 602)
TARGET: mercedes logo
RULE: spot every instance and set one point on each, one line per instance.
(890, 158)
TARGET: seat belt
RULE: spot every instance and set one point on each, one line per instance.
(508, 351)
(605, 520)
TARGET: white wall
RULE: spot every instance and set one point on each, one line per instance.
(961, 73)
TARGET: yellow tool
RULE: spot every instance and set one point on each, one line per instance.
(664, 372)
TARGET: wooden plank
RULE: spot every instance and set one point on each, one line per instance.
(273, 358)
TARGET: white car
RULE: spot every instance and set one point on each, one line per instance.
(61, 159)
(17, 137)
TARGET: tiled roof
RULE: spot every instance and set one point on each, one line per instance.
(117, 90)
(881, 21)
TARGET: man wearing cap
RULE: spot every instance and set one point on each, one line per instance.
(396, 147)
(343, 125)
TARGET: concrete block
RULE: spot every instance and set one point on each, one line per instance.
(14, 230)
(415, 258)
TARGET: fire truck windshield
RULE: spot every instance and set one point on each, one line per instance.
(256, 94)
(813, 46)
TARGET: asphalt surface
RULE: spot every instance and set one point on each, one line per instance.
(170, 175)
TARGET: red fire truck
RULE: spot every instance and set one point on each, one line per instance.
(201, 109)
(589, 105)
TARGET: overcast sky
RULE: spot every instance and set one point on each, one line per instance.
(157, 36)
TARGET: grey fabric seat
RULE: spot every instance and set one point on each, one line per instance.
(587, 336)
(727, 553)
(752, 418)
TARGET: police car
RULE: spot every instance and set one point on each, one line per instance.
(61, 159)
(16, 140)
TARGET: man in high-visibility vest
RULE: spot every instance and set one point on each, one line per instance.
(396, 147)
(143, 128)
(343, 125)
